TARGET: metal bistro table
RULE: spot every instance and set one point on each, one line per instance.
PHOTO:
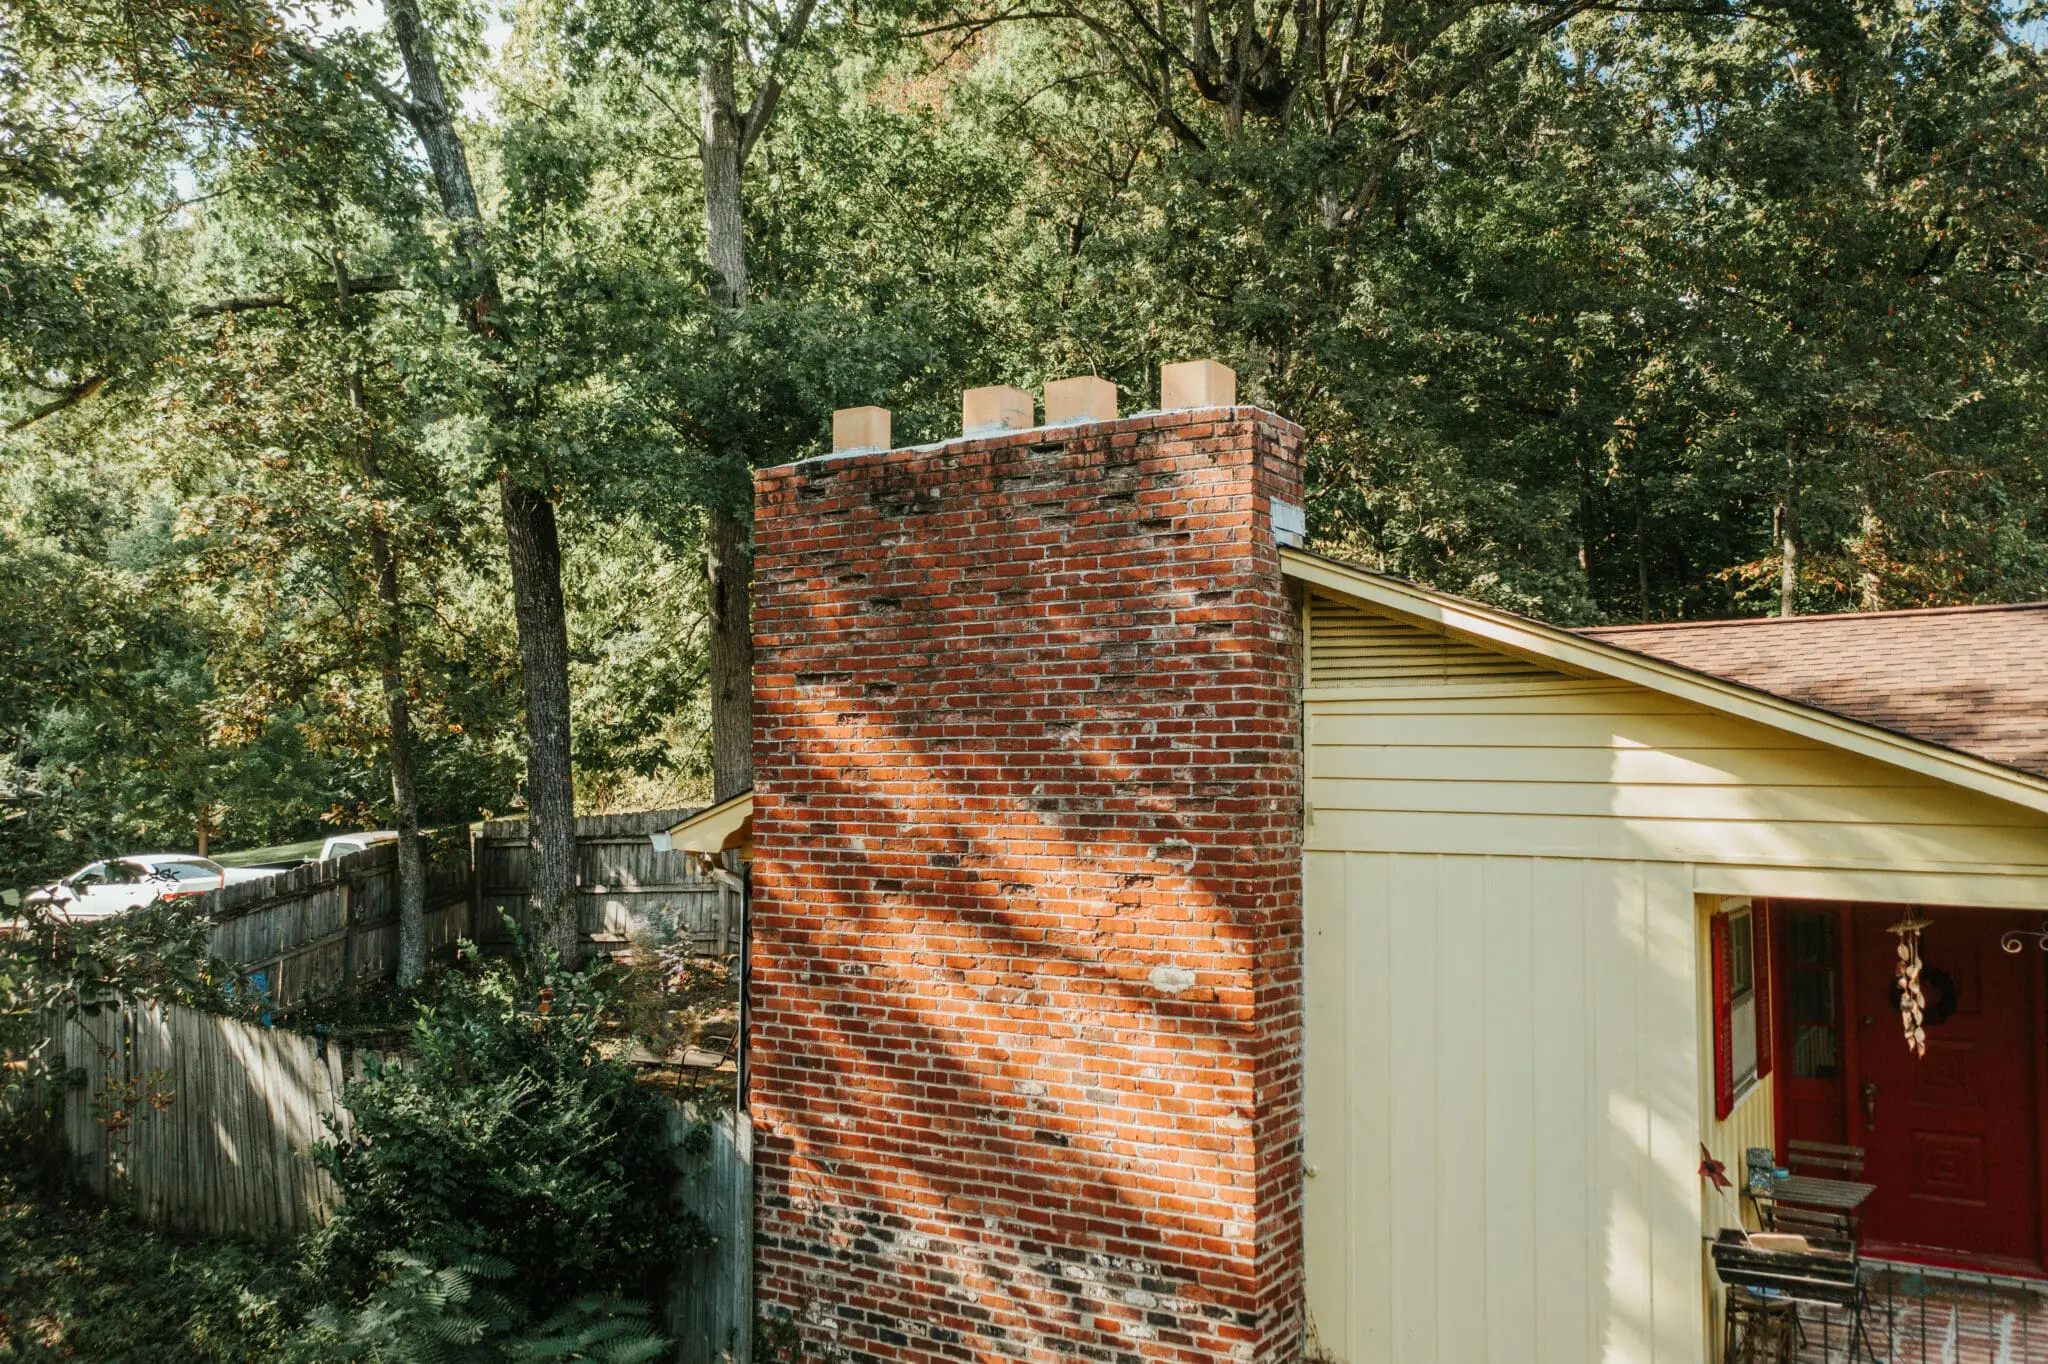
(1819, 1204)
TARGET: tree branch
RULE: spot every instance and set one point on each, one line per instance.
(70, 399)
(376, 89)
(244, 303)
(763, 107)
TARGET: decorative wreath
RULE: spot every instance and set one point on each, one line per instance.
(1941, 991)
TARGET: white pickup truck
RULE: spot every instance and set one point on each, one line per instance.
(341, 845)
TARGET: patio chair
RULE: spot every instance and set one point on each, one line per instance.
(1824, 1159)
(1769, 1276)
(1821, 1160)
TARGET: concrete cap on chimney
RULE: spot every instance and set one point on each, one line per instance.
(998, 407)
(1085, 399)
(1197, 383)
(860, 428)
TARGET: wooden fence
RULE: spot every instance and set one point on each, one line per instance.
(208, 1124)
(329, 925)
(711, 1303)
(620, 881)
(198, 1121)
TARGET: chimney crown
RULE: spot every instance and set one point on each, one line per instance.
(1197, 383)
(998, 407)
(1084, 399)
(860, 428)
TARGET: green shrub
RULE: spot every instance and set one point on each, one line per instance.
(424, 1313)
(506, 1133)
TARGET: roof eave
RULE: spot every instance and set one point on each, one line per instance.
(717, 828)
(1576, 653)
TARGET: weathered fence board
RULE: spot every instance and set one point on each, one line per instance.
(711, 1309)
(326, 925)
(198, 1121)
(620, 881)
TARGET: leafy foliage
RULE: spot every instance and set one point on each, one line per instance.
(78, 1281)
(1600, 315)
(506, 1133)
(424, 1313)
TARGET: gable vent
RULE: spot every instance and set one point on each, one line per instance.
(1349, 647)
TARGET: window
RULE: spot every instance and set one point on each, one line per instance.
(1742, 1038)
(1742, 999)
(1813, 1022)
(194, 870)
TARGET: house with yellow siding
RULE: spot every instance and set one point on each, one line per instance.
(1592, 915)
(1172, 944)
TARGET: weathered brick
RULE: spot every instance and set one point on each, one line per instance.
(1026, 1048)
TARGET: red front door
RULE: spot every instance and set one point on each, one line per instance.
(1951, 1139)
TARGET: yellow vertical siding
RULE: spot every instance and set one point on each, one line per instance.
(1502, 1110)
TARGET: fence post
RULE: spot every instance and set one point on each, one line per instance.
(348, 931)
(711, 1298)
(476, 885)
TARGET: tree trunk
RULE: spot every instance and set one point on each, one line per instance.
(729, 566)
(405, 801)
(728, 556)
(1642, 557)
(1871, 532)
(725, 239)
(1788, 531)
(1585, 490)
(535, 552)
(533, 548)
(405, 804)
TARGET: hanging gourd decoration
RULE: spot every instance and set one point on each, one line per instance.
(1912, 998)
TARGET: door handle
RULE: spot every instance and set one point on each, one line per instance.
(1870, 1104)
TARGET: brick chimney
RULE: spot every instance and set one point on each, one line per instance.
(1026, 972)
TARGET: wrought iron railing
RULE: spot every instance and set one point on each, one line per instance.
(1918, 1315)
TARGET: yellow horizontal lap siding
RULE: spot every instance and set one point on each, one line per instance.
(1705, 802)
(1534, 642)
(1354, 647)
(1571, 768)
(1779, 843)
(1417, 724)
(1630, 765)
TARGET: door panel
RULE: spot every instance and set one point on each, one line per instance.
(1953, 1149)
(1807, 993)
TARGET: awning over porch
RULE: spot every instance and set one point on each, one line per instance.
(717, 829)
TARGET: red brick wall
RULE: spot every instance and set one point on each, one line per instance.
(1026, 1009)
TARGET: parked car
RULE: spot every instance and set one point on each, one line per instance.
(341, 845)
(120, 884)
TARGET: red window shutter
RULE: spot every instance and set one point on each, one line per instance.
(1760, 964)
(1724, 1034)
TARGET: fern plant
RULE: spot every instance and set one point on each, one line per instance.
(460, 1313)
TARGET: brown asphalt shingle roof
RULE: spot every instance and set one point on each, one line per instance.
(1970, 678)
